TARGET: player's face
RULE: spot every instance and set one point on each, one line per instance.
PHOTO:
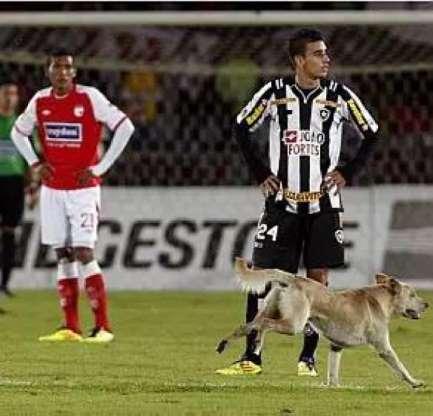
(315, 62)
(61, 72)
(9, 97)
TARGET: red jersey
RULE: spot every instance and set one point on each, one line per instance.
(69, 130)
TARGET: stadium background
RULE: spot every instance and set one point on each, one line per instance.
(181, 190)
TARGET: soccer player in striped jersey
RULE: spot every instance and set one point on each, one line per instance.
(302, 182)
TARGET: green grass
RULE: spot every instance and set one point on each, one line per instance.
(163, 359)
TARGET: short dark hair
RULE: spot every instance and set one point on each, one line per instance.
(8, 79)
(298, 42)
(56, 53)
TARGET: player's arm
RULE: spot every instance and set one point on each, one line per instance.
(368, 127)
(247, 121)
(20, 135)
(22, 130)
(118, 123)
(355, 111)
(33, 177)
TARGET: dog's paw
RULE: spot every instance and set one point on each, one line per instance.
(416, 384)
(221, 346)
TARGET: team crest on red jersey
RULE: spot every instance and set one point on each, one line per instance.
(78, 111)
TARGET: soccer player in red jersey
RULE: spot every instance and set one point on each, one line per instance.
(69, 119)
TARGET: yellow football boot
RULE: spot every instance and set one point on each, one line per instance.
(240, 368)
(99, 336)
(307, 369)
(62, 335)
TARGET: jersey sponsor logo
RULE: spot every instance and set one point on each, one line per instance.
(290, 136)
(78, 111)
(357, 114)
(328, 103)
(63, 132)
(283, 101)
(303, 142)
(258, 111)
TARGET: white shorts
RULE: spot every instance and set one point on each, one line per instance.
(69, 218)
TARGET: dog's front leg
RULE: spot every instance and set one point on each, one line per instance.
(388, 354)
(334, 358)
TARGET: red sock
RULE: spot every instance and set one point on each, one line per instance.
(69, 291)
(97, 295)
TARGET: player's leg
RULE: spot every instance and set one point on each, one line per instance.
(68, 288)
(8, 258)
(323, 249)
(83, 207)
(307, 361)
(12, 213)
(277, 245)
(55, 231)
(97, 294)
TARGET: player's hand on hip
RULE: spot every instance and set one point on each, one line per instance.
(335, 180)
(84, 176)
(41, 171)
(270, 186)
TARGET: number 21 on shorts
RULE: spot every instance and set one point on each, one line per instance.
(87, 220)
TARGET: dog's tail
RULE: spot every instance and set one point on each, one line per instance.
(255, 280)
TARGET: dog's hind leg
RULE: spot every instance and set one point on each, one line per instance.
(240, 331)
(257, 324)
(282, 326)
(334, 358)
(383, 347)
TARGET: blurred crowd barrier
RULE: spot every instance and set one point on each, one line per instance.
(183, 86)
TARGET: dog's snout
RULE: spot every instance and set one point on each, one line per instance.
(426, 305)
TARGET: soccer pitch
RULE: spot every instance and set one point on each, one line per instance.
(163, 360)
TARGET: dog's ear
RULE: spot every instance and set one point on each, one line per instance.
(382, 278)
(394, 285)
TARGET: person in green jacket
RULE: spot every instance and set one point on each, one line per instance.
(13, 173)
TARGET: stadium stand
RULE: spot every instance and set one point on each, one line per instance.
(182, 87)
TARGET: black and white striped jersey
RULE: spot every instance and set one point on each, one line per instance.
(305, 133)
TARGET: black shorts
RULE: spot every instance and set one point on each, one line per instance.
(282, 238)
(12, 200)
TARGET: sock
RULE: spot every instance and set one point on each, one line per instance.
(95, 289)
(69, 291)
(253, 306)
(251, 312)
(311, 339)
(8, 256)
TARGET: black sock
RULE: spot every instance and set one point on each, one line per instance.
(8, 256)
(311, 339)
(250, 314)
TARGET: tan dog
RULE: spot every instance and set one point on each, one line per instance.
(347, 318)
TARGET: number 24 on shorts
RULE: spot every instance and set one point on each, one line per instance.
(263, 231)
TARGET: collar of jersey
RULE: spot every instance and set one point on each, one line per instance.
(63, 96)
